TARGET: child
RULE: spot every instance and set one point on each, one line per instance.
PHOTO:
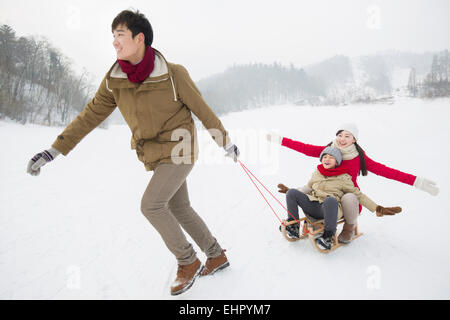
(328, 184)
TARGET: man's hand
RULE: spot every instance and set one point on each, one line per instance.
(40, 159)
(232, 151)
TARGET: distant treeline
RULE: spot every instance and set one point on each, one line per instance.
(330, 82)
(436, 83)
(254, 85)
(339, 80)
(37, 84)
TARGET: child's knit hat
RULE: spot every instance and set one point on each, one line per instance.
(332, 151)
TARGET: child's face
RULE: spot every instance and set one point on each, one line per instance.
(345, 139)
(329, 162)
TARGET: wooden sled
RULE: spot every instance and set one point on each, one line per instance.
(311, 228)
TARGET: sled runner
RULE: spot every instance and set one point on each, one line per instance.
(311, 228)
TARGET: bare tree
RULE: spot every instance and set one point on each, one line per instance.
(37, 83)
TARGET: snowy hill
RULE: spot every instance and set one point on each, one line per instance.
(76, 231)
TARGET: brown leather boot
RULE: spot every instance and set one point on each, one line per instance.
(348, 231)
(186, 276)
(215, 264)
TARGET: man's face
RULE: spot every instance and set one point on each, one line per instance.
(126, 46)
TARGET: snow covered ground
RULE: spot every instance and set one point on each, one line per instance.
(76, 230)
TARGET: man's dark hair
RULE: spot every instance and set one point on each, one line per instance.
(136, 22)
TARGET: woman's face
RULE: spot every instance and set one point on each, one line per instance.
(329, 162)
(345, 139)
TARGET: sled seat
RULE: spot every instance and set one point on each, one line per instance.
(312, 228)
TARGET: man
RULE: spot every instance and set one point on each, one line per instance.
(156, 99)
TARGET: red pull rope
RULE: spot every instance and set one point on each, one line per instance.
(248, 172)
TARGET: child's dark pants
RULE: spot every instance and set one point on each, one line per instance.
(327, 210)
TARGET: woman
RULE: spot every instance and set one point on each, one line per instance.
(355, 162)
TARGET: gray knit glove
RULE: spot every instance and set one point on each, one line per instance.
(40, 159)
(426, 185)
(232, 151)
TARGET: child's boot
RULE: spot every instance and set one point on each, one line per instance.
(293, 231)
(325, 241)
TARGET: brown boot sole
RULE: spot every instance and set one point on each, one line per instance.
(223, 266)
(175, 293)
(344, 241)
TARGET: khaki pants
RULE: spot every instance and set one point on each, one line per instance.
(166, 205)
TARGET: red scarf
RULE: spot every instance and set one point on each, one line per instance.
(331, 172)
(139, 72)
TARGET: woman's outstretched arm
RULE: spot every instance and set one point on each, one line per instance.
(389, 173)
(307, 149)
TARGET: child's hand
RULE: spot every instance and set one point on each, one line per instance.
(282, 188)
(389, 211)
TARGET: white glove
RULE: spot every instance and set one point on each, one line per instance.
(232, 151)
(40, 159)
(426, 185)
(274, 138)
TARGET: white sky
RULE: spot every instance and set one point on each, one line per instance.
(207, 36)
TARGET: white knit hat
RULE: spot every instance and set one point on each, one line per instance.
(350, 127)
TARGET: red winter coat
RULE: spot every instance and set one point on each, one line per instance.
(352, 166)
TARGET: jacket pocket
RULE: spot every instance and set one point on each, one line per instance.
(153, 85)
(152, 151)
(183, 131)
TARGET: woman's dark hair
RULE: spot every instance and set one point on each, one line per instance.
(362, 158)
(136, 22)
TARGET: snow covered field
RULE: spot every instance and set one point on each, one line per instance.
(76, 231)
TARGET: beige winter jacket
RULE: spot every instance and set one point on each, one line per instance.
(158, 112)
(336, 186)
